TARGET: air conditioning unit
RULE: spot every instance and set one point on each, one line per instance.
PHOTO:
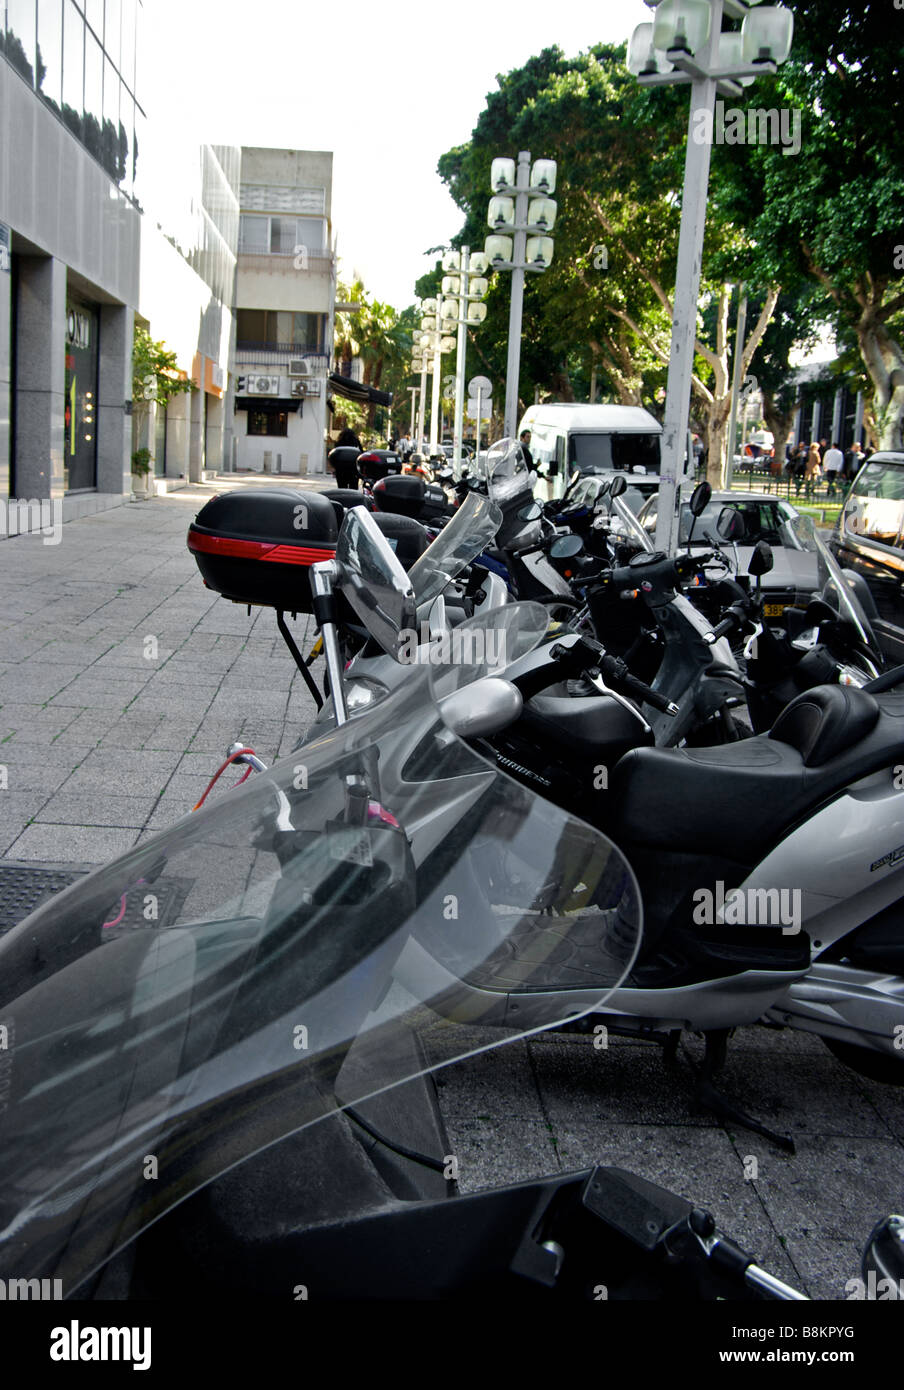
(297, 388)
(312, 387)
(263, 386)
(298, 367)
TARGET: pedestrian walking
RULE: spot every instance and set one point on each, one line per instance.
(832, 464)
(798, 466)
(345, 470)
(854, 461)
(812, 470)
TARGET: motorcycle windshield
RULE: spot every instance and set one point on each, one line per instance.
(831, 578)
(632, 528)
(507, 473)
(462, 539)
(326, 932)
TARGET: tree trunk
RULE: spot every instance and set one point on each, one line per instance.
(884, 361)
(716, 431)
(561, 385)
(779, 421)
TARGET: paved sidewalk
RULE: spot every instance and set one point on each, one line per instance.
(122, 683)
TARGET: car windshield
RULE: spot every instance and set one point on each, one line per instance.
(470, 531)
(600, 453)
(330, 930)
(875, 507)
(762, 519)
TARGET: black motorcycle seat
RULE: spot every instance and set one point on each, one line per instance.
(823, 722)
(583, 725)
(739, 799)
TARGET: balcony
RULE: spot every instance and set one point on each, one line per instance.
(283, 262)
(277, 354)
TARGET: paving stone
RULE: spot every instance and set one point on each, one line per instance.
(71, 844)
(82, 808)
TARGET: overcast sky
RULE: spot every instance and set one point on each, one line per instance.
(379, 84)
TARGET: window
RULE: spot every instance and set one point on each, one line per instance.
(50, 52)
(600, 452)
(281, 328)
(254, 234)
(73, 68)
(875, 507)
(268, 422)
(21, 36)
(280, 236)
(94, 96)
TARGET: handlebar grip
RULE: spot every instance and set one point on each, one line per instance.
(619, 675)
(733, 620)
(647, 695)
(722, 629)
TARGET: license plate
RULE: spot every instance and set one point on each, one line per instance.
(774, 610)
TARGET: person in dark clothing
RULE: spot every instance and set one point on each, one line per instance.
(525, 448)
(344, 468)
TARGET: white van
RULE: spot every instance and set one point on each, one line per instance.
(596, 439)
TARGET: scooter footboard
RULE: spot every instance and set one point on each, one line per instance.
(856, 1006)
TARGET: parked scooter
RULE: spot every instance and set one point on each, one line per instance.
(746, 823)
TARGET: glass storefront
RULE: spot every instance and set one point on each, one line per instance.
(81, 59)
(80, 406)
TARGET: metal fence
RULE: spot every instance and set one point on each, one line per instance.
(784, 484)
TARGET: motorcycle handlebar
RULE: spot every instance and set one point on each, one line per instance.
(615, 671)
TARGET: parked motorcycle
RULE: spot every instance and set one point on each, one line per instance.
(213, 1081)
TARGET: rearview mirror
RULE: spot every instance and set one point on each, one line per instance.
(482, 708)
(730, 525)
(618, 485)
(373, 581)
(700, 498)
(762, 559)
(531, 511)
(565, 547)
(819, 612)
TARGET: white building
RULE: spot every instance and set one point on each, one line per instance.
(284, 311)
(105, 220)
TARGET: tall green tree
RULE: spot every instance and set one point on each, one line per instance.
(831, 215)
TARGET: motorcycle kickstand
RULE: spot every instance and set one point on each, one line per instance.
(724, 1109)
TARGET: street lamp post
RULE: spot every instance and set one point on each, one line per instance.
(685, 44)
(463, 289)
(521, 208)
(432, 340)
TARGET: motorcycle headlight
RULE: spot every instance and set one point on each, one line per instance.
(361, 693)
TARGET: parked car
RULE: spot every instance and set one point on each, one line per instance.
(598, 439)
(795, 573)
(869, 540)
